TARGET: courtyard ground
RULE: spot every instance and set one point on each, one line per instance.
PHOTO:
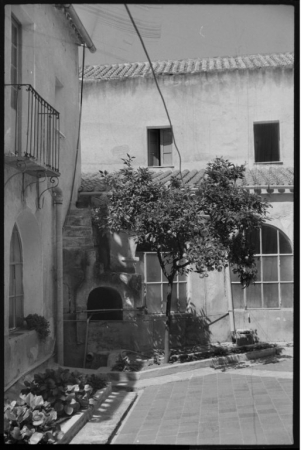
(232, 406)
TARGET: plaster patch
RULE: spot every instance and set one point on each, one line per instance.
(117, 239)
(34, 352)
(123, 278)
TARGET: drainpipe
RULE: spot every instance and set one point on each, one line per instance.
(58, 201)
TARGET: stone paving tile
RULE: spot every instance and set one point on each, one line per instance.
(166, 440)
(144, 440)
(226, 409)
(207, 441)
(231, 440)
(254, 440)
(169, 422)
(168, 430)
(125, 439)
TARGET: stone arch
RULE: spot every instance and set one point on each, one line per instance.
(105, 298)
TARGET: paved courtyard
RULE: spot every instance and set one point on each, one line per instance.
(219, 408)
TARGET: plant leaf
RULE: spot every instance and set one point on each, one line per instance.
(35, 438)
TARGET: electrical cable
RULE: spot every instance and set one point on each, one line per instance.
(155, 78)
(79, 127)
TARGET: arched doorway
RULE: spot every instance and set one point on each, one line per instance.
(105, 298)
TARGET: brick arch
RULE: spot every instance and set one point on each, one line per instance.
(105, 298)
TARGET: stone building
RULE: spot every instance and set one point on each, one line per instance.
(42, 170)
(240, 108)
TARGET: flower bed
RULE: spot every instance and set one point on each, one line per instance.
(133, 362)
(48, 400)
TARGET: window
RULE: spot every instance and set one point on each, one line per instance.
(274, 285)
(159, 146)
(266, 141)
(16, 282)
(15, 61)
(156, 286)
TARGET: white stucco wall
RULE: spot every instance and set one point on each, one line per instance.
(212, 115)
(49, 59)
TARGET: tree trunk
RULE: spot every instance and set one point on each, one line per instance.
(168, 321)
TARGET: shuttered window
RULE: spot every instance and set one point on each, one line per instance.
(16, 281)
(159, 147)
(266, 141)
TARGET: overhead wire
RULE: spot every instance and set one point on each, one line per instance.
(158, 88)
(79, 127)
(148, 30)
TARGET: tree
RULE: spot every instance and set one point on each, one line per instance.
(198, 230)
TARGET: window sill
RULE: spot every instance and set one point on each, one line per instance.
(271, 162)
(20, 332)
(161, 167)
(261, 309)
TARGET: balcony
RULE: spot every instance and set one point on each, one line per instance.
(32, 130)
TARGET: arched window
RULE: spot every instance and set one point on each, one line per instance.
(274, 285)
(16, 281)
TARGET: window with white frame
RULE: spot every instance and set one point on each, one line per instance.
(156, 285)
(16, 314)
(159, 141)
(274, 285)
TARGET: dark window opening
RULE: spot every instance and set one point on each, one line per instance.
(107, 299)
(266, 141)
(159, 147)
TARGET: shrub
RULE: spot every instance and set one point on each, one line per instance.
(38, 323)
(66, 391)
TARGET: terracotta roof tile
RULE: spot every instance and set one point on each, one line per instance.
(142, 69)
(278, 176)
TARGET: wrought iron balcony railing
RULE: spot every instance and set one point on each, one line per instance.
(34, 129)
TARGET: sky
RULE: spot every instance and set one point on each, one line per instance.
(183, 31)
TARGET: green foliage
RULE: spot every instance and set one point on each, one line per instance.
(30, 420)
(170, 220)
(124, 364)
(38, 323)
(66, 391)
(190, 230)
(47, 400)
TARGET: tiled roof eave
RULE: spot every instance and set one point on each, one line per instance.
(190, 66)
(271, 181)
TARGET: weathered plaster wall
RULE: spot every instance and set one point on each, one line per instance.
(212, 115)
(49, 63)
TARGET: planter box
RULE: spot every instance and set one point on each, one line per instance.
(73, 425)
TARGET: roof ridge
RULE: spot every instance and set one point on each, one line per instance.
(187, 66)
(183, 60)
